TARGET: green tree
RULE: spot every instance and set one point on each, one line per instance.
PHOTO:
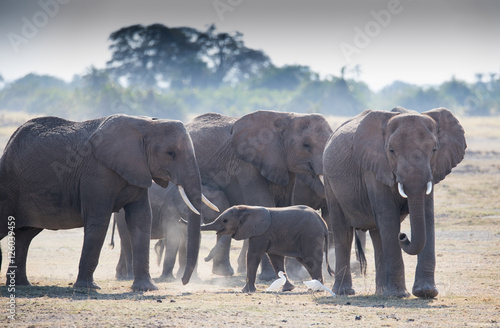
(157, 55)
(228, 57)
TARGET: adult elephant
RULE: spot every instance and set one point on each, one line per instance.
(59, 174)
(254, 160)
(379, 167)
(167, 208)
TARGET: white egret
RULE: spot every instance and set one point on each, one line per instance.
(316, 286)
(278, 283)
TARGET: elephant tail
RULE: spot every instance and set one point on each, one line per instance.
(326, 245)
(360, 254)
(112, 243)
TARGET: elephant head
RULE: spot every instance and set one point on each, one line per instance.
(410, 152)
(241, 222)
(278, 143)
(143, 149)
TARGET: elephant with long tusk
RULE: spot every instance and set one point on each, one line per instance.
(60, 174)
(380, 167)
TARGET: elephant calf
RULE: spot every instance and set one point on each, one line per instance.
(295, 231)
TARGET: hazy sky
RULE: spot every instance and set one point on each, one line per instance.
(423, 42)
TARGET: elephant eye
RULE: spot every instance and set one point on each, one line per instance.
(434, 149)
(306, 146)
(391, 150)
(171, 154)
(224, 221)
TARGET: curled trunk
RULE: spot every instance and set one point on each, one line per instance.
(416, 204)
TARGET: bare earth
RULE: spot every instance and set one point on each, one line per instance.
(467, 209)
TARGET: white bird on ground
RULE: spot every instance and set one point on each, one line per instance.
(316, 286)
(278, 283)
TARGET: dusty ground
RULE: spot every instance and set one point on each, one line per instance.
(468, 265)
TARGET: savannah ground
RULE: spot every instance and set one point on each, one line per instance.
(467, 211)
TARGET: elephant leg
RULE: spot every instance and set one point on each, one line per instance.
(221, 265)
(386, 211)
(171, 245)
(16, 269)
(342, 237)
(380, 270)
(174, 235)
(278, 263)
(254, 256)
(242, 258)
(93, 239)
(312, 257)
(138, 217)
(124, 267)
(424, 285)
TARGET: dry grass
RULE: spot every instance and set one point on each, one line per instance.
(467, 275)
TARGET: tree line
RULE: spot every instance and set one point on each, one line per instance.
(179, 72)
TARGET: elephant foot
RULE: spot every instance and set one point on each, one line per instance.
(249, 289)
(343, 290)
(223, 270)
(19, 281)
(86, 284)
(167, 276)
(425, 291)
(396, 293)
(288, 286)
(144, 285)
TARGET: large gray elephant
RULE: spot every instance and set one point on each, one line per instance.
(59, 174)
(379, 167)
(167, 208)
(254, 160)
(296, 231)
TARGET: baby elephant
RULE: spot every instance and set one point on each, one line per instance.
(295, 231)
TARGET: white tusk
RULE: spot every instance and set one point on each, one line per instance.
(429, 188)
(209, 203)
(401, 190)
(322, 179)
(186, 200)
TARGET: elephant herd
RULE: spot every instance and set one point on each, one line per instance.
(367, 175)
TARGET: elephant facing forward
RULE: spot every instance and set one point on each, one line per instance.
(296, 231)
(58, 174)
(379, 167)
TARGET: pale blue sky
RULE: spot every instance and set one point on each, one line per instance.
(423, 42)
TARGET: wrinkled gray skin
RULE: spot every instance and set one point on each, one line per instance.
(296, 231)
(167, 208)
(254, 160)
(310, 191)
(59, 174)
(364, 161)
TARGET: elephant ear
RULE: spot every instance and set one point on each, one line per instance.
(253, 222)
(257, 139)
(369, 144)
(452, 144)
(118, 145)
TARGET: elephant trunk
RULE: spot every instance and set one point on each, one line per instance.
(192, 190)
(214, 226)
(416, 204)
